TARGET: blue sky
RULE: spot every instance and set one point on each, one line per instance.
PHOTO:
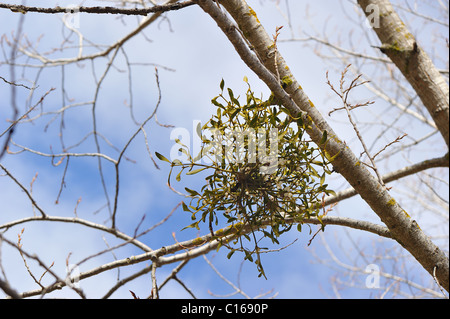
(193, 56)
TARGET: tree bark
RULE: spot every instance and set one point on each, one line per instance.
(403, 229)
(418, 69)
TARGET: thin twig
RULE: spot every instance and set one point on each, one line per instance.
(389, 144)
(236, 289)
(12, 83)
(344, 94)
(44, 215)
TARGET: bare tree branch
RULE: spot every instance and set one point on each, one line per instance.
(401, 47)
(95, 143)
(98, 10)
(402, 227)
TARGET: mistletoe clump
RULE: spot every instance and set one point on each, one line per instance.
(264, 175)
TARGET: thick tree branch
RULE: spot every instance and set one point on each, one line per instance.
(401, 47)
(402, 227)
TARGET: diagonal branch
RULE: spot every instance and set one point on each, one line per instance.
(403, 229)
(416, 66)
(43, 215)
